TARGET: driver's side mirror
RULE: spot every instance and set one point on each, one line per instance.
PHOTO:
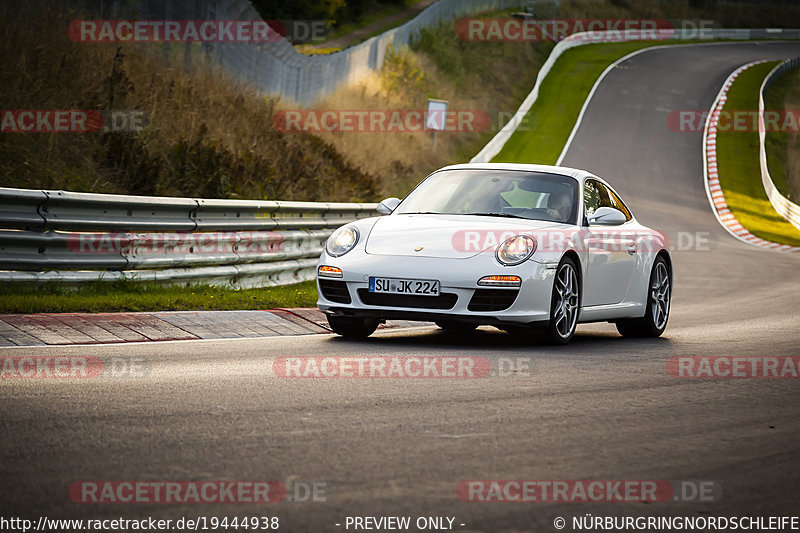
(387, 206)
(607, 216)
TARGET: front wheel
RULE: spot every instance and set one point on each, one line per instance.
(352, 327)
(659, 294)
(565, 304)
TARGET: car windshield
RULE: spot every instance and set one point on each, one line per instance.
(501, 193)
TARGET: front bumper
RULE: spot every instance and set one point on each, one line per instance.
(458, 277)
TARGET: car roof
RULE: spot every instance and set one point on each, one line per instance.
(566, 171)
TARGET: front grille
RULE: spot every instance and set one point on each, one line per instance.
(335, 291)
(443, 301)
(492, 299)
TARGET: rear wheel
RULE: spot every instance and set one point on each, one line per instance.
(565, 304)
(352, 327)
(659, 294)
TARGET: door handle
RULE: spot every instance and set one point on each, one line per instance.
(631, 248)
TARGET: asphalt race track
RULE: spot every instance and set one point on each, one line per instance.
(600, 408)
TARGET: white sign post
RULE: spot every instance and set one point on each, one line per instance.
(436, 117)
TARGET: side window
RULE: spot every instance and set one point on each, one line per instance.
(595, 195)
(617, 204)
(591, 197)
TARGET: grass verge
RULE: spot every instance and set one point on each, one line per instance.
(103, 297)
(739, 169)
(545, 129)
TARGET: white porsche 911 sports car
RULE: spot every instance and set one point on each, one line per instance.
(519, 247)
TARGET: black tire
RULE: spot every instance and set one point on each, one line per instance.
(659, 297)
(455, 326)
(565, 304)
(352, 327)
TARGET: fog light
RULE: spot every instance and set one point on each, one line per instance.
(500, 281)
(329, 272)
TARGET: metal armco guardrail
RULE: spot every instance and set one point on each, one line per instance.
(785, 207)
(76, 237)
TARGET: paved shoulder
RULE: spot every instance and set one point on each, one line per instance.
(108, 328)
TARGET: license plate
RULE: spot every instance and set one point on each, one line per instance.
(419, 287)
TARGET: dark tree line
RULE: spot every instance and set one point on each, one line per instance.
(336, 11)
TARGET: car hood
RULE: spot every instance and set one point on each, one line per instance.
(447, 236)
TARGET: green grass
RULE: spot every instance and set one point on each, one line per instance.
(99, 297)
(546, 127)
(739, 169)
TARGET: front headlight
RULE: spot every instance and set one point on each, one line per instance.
(341, 241)
(515, 250)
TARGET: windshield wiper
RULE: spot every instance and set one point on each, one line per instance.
(507, 215)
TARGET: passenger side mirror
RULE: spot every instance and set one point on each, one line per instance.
(607, 216)
(388, 205)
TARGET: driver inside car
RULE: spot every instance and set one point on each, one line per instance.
(559, 206)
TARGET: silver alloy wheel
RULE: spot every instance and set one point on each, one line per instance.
(565, 312)
(659, 296)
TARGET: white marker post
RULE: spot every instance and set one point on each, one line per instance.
(436, 117)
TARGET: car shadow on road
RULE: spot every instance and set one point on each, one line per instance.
(488, 337)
